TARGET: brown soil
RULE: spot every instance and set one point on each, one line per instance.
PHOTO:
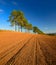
(18, 48)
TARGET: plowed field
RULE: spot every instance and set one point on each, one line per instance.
(27, 49)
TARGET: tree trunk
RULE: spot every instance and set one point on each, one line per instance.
(25, 30)
(18, 28)
(15, 26)
(28, 30)
(21, 28)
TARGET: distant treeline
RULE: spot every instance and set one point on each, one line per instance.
(51, 33)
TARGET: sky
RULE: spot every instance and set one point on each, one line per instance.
(41, 13)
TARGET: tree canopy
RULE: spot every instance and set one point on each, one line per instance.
(17, 18)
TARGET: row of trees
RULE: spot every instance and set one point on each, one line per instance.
(17, 18)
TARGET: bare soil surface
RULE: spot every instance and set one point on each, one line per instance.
(18, 48)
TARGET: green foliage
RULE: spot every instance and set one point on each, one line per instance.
(29, 26)
(37, 30)
(17, 18)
